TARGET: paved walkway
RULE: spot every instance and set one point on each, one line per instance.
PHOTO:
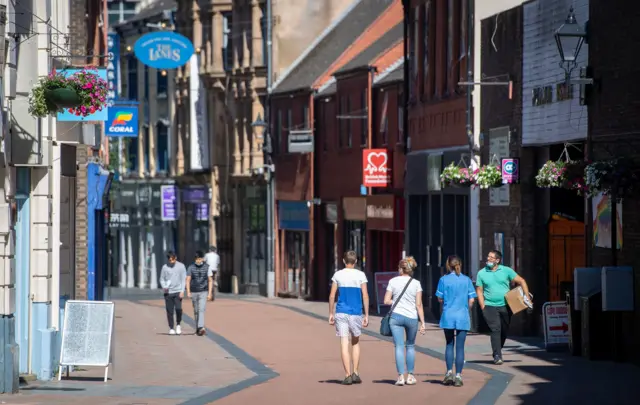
(284, 352)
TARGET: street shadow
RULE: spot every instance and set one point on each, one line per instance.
(389, 382)
(438, 382)
(84, 379)
(491, 361)
(330, 382)
(183, 334)
(61, 389)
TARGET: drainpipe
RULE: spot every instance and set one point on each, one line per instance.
(405, 91)
(470, 29)
(271, 278)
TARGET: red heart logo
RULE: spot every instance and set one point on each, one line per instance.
(378, 160)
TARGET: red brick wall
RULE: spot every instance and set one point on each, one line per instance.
(394, 142)
(293, 171)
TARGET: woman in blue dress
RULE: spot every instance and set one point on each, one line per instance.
(456, 294)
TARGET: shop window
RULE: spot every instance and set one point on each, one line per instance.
(147, 148)
(227, 42)
(132, 155)
(364, 122)
(163, 83)
(132, 77)
(162, 148)
(354, 238)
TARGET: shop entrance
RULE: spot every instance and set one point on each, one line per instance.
(386, 251)
(439, 227)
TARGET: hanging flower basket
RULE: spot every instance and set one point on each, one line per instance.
(551, 175)
(91, 90)
(456, 176)
(82, 94)
(41, 100)
(489, 176)
(573, 176)
(616, 176)
(64, 97)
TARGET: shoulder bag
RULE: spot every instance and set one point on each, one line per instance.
(385, 328)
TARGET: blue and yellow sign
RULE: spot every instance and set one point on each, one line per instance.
(122, 122)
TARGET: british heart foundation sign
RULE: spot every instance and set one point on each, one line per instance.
(375, 168)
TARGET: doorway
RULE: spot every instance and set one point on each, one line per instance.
(439, 227)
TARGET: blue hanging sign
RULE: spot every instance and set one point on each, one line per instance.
(113, 47)
(122, 122)
(163, 50)
(101, 115)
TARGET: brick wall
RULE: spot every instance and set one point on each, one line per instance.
(613, 114)
(517, 220)
(78, 42)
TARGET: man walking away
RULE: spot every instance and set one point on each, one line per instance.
(172, 280)
(492, 284)
(347, 315)
(199, 289)
(212, 259)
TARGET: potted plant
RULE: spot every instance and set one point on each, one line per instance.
(489, 176)
(573, 176)
(551, 174)
(48, 92)
(456, 176)
(91, 90)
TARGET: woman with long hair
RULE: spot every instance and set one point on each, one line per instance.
(407, 292)
(456, 294)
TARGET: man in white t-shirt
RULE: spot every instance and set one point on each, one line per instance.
(213, 261)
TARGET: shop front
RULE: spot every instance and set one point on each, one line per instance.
(143, 228)
(328, 259)
(294, 225)
(194, 214)
(253, 279)
(385, 223)
(354, 229)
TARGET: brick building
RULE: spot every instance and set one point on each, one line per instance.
(304, 102)
(613, 130)
(438, 110)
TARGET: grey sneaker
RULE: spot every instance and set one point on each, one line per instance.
(356, 378)
(458, 381)
(448, 379)
(347, 381)
(497, 360)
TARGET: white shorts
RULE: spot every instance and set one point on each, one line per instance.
(348, 325)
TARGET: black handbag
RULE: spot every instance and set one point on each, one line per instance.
(385, 327)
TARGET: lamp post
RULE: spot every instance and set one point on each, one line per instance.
(269, 170)
(569, 38)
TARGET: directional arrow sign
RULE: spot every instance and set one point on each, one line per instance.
(564, 327)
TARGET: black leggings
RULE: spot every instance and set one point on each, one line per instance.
(173, 302)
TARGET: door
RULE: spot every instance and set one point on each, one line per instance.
(566, 252)
(455, 229)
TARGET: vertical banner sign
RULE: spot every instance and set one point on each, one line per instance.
(375, 168)
(113, 63)
(169, 202)
(510, 170)
(199, 142)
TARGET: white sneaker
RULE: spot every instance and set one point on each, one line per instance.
(400, 381)
(178, 330)
(172, 332)
(411, 380)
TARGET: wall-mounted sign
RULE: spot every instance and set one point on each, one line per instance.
(510, 170)
(383, 212)
(101, 115)
(293, 215)
(169, 203)
(163, 50)
(375, 168)
(195, 195)
(122, 121)
(300, 141)
(113, 50)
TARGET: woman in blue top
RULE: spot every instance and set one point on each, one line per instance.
(455, 293)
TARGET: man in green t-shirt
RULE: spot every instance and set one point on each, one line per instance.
(493, 282)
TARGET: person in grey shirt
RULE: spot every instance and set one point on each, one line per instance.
(173, 280)
(199, 289)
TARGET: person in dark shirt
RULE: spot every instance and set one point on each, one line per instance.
(199, 289)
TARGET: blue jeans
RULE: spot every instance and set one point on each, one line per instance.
(399, 326)
(456, 339)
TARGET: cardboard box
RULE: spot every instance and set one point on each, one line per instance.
(517, 301)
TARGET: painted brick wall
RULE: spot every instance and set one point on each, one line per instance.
(613, 111)
(558, 120)
(517, 220)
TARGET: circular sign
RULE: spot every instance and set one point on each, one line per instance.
(163, 50)
(510, 167)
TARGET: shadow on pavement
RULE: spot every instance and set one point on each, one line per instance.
(491, 361)
(390, 382)
(570, 379)
(330, 382)
(40, 388)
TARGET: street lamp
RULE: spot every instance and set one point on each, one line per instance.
(569, 38)
(263, 133)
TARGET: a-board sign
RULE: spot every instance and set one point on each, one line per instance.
(87, 334)
(557, 324)
(381, 281)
